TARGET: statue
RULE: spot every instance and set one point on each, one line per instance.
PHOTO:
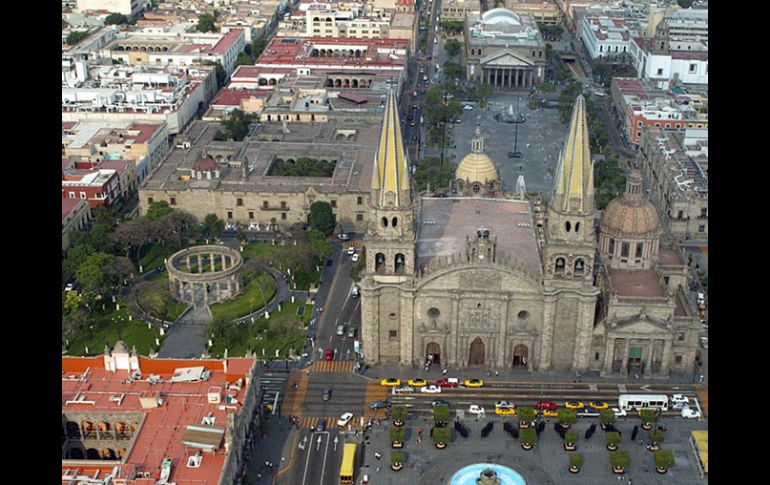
(488, 477)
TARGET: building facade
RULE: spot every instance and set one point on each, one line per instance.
(75, 216)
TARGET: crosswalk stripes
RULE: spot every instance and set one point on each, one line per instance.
(354, 244)
(310, 422)
(292, 401)
(375, 392)
(273, 384)
(622, 388)
(332, 366)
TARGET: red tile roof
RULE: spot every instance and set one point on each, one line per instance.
(226, 42)
(67, 206)
(233, 97)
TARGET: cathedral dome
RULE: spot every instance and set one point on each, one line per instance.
(632, 214)
(477, 166)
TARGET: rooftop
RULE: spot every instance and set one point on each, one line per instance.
(636, 283)
(374, 53)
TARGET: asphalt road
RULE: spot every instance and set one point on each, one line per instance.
(318, 458)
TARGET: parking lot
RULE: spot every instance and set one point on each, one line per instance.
(540, 138)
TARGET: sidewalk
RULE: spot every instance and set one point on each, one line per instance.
(276, 447)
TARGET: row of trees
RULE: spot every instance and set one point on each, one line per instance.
(236, 126)
(207, 22)
(304, 167)
(251, 52)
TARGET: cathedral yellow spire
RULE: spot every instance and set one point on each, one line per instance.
(390, 180)
(574, 177)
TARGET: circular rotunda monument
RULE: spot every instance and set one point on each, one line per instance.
(205, 274)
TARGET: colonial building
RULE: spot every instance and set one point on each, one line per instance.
(480, 278)
(504, 49)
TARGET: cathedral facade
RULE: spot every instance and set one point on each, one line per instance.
(489, 279)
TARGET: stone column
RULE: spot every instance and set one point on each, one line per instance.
(531, 78)
(200, 263)
(624, 363)
(546, 339)
(665, 364)
(501, 333)
(188, 263)
(237, 285)
(211, 260)
(648, 363)
(609, 356)
(406, 329)
(455, 336)
(171, 284)
(218, 291)
(230, 288)
(205, 293)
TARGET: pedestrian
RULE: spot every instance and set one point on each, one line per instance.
(497, 373)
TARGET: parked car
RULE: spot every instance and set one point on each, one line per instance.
(598, 405)
(341, 329)
(352, 332)
(619, 413)
(351, 251)
(439, 403)
(343, 237)
(504, 404)
(542, 405)
(329, 354)
(474, 383)
(574, 405)
(344, 419)
(431, 389)
(505, 411)
(355, 258)
(468, 107)
(417, 382)
(390, 382)
(550, 413)
(321, 426)
(690, 413)
(380, 404)
(327, 394)
(476, 409)
(681, 398)
(448, 382)
(405, 389)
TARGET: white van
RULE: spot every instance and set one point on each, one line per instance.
(354, 292)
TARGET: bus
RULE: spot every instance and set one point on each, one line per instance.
(630, 402)
(348, 468)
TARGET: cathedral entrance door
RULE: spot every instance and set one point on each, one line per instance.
(477, 351)
(433, 349)
(520, 355)
(634, 363)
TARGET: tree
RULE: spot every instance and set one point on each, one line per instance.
(664, 459)
(116, 19)
(399, 414)
(567, 417)
(206, 23)
(602, 73)
(452, 47)
(656, 436)
(570, 438)
(528, 436)
(75, 37)
(441, 414)
(220, 71)
(648, 416)
(526, 414)
(607, 416)
(321, 217)
(620, 459)
(355, 271)
(158, 210)
(92, 272)
(613, 439)
(178, 226)
(223, 329)
(396, 459)
(442, 436)
(453, 70)
(244, 59)
(397, 434)
(213, 226)
(319, 243)
(257, 46)
(119, 271)
(575, 460)
(452, 26)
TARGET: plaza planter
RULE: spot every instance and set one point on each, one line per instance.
(398, 423)
(565, 425)
(570, 446)
(526, 446)
(661, 470)
(654, 447)
(574, 469)
(397, 444)
(523, 424)
(646, 426)
(612, 447)
(618, 470)
(440, 445)
(396, 466)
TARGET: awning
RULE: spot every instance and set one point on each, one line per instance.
(204, 437)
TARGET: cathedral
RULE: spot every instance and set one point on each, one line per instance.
(490, 279)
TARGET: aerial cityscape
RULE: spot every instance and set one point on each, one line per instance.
(320, 242)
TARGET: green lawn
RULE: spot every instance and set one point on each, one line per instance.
(154, 256)
(264, 250)
(284, 330)
(156, 299)
(111, 326)
(257, 293)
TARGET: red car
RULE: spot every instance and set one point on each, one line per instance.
(541, 405)
(448, 382)
(329, 354)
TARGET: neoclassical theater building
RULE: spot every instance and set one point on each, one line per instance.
(489, 279)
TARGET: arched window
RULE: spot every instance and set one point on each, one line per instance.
(567, 226)
(400, 265)
(394, 222)
(384, 222)
(379, 262)
(579, 267)
(577, 227)
(560, 264)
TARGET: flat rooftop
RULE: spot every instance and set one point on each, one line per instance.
(446, 222)
(643, 283)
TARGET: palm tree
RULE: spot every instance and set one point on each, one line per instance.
(664, 459)
(575, 462)
(613, 438)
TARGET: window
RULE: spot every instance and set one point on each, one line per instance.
(693, 68)
(624, 249)
(283, 216)
(596, 356)
(229, 214)
(612, 247)
(704, 212)
(640, 124)
(359, 217)
(701, 228)
(283, 204)
(660, 71)
(393, 334)
(678, 359)
(265, 204)
(172, 200)
(639, 247)
(359, 200)
(638, 133)
(680, 215)
(82, 195)
(239, 202)
(434, 312)
(251, 215)
(334, 204)
(150, 200)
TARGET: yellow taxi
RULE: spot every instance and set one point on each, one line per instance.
(417, 382)
(598, 405)
(391, 382)
(574, 405)
(551, 413)
(505, 411)
(474, 383)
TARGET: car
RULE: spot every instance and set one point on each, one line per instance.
(704, 342)
(505, 411)
(439, 403)
(417, 382)
(351, 251)
(344, 419)
(680, 398)
(574, 405)
(414, 95)
(448, 382)
(504, 404)
(69, 287)
(343, 237)
(468, 107)
(431, 389)
(321, 426)
(390, 382)
(701, 298)
(329, 354)
(543, 405)
(354, 258)
(412, 123)
(380, 404)
(405, 389)
(327, 394)
(550, 413)
(474, 383)
(690, 413)
(619, 413)
(341, 329)
(352, 332)
(598, 405)
(476, 409)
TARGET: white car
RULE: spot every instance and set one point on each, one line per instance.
(476, 409)
(688, 412)
(468, 107)
(351, 251)
(680, 398)
(354, 258)
(503, 404)
(619, 412)
(431, 389)
(405, 389)
(344, 419)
